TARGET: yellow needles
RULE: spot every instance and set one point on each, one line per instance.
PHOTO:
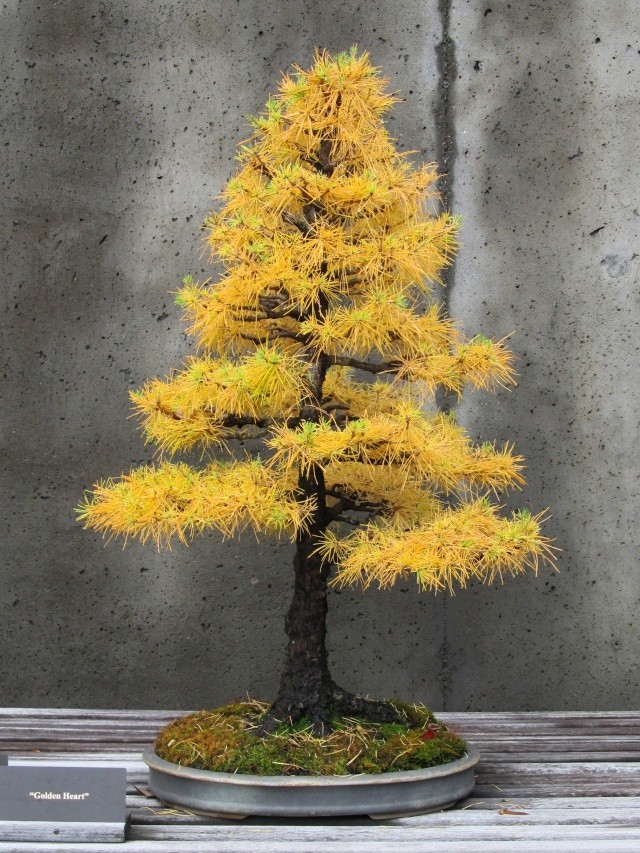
(322, 337)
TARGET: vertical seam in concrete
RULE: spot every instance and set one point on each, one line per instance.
(446, 149)
(446, 152)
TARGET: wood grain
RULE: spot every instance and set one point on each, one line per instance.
(553, 782)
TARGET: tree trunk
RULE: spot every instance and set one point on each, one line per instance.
(306, 686)
(305, 682)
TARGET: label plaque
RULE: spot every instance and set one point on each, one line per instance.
(62, 803)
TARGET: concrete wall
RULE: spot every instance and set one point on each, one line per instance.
(119, 123)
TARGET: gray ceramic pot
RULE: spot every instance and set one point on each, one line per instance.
(381, 795)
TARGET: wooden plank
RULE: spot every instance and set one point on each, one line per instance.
(98, 756)
(506, 718)
(547, 748)
(49, 725)
(509, 778)
(70, 714)
(519, 816)
(135, 713)
(571, 779)
(56, 831)
(551, 845)
(505, 816)
(500, 727)
(593, 810)
(531, 803)
(391, 835)
(137, 770)
(535, 757)
(491, 753)
(604, 723)
(137, 801)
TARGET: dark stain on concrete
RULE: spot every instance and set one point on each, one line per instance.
(446, 151)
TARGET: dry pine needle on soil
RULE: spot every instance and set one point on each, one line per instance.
(227, 739)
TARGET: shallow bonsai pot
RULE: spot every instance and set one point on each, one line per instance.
(380, 795)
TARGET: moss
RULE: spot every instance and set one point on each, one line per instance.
(226, 739)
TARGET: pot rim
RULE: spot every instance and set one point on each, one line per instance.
(154, 762)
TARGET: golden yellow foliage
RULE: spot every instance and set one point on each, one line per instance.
(331, 248)
(343, 394)
(432, 449)
(479, 362)
(402, 498)
(160, 502)
(203, 403)
(471, 542)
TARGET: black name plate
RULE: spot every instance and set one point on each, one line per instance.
(62, 803)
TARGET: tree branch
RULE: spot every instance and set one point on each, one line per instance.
(270, 301)
(301, 224)
(323, 163)
(276, 306)
(234, 421)
(368, 366)
(282, 311)
(335, 407)
(355, 504)
(271, 334)
(262, 166)
(231, 421)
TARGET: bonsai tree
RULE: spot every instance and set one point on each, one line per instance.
(322, 339)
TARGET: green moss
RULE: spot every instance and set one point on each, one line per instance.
(226, 740)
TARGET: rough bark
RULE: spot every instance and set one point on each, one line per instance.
(305, 682)
(307, 689)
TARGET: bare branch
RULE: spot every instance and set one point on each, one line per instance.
(262, 166)
(253, 338)
(248, 315)
(276, 306)
(323, 163)
(286, 312)
(301, 224)
(231, 421)
(354, 503)
(328, 406)
(273, 300)
(236, 421)
(368, 366)
(272, 334)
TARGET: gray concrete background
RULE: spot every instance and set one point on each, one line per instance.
(119, 125)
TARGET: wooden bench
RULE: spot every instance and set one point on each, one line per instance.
(546, 782)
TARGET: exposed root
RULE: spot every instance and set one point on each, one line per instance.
(319, 712)
(373, 710)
